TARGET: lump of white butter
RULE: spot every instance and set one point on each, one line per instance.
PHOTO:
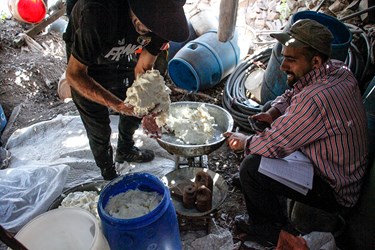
(193, 126)
(147, 91)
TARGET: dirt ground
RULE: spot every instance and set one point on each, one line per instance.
(28, 81)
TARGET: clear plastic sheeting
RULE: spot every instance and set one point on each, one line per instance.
(63, 140)
(28, 191)
(320, 240)
(218, 239)
(51, 156)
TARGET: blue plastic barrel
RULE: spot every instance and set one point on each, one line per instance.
(3, 119)
(174, 47)
(156, 230)
(274, 79)
(204, 62)
(274, 82)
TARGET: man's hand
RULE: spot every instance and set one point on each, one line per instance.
(268, 117)
(262, 117)
(236, 141)
(145, 62)
(125, 109)
(150, 127)
(256, 125)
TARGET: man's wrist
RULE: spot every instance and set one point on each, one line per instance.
(274, 113)
(247, 145)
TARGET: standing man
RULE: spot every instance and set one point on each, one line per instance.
(109, 43)
(322, 116)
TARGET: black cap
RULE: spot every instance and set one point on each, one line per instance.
(165, 18)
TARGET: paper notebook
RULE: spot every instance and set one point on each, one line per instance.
(295, 171)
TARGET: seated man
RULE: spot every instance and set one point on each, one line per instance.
(322, 116)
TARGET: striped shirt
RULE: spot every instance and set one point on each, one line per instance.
(322, 116)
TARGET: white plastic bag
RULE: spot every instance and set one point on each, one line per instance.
(320, 241)
(221, 241)
(28, 191)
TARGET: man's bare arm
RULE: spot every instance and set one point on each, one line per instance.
(79, 80)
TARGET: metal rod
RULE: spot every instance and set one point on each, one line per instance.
(357, 13)
(320, 5)
(10, 241)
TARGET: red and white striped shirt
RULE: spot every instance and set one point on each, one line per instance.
(322, 116)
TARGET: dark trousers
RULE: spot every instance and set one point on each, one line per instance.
(95, 118)
(262, 194)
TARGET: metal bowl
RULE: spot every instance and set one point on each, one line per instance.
(96, 186)
(176, 146)
(220, 189)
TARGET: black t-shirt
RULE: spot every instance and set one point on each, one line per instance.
(102, 36)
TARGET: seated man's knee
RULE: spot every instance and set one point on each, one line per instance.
(249, 167)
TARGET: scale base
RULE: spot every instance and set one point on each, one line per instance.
(197, 161)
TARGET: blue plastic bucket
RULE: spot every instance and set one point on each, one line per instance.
(274, 83)
(156, 230)
(203, 62)
(3, 119)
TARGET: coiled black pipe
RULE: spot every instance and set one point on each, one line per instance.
(236, 101)
(359, 61)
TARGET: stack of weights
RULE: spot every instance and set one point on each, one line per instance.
(199, 194)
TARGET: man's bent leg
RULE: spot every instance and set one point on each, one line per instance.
(126, 151)
(127, 127)
(261, 194)
(95, 118)
(262, 203)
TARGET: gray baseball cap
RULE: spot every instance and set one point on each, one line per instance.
(307, 33)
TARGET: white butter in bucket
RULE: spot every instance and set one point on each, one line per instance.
(61, 229)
